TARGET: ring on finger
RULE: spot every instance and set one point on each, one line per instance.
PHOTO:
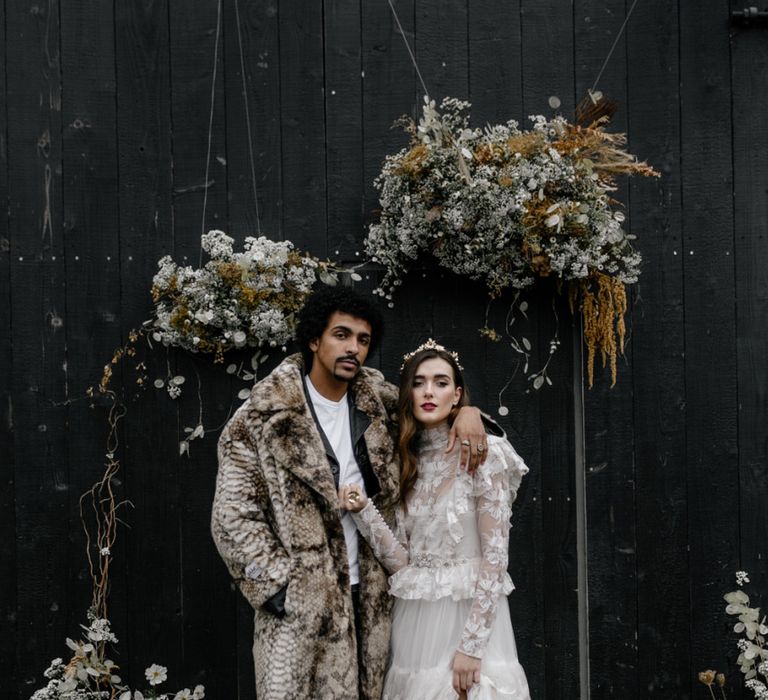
(481, 448)
(466, 443)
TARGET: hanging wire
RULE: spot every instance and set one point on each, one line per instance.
(613, 48)
(408, 46)
(247, 118)
(210, 121)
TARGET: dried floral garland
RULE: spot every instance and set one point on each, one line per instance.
(507, 206)
(236, 299)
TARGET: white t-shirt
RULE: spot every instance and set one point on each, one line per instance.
(333, 417)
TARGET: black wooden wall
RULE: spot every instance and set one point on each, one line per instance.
(104, 134)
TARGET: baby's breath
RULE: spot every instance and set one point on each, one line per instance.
(236, 299)
(501, 204)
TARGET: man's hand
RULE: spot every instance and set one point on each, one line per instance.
(352, 498)
(466, 672)
(470, 431)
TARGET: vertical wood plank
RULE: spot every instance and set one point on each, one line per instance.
(442, 47)
(558, 506)
(8, 679)
(259, 32)
(389, 88)
(344, 128)
(146, 180)
(91, 205)
(495, 78)
(609, 436)
(204, 606)
(193, 31)
(749, 54)
(303, 126)
(40, 377)
(547, 70)
(710, 329)
(658, 361)
(749, 60)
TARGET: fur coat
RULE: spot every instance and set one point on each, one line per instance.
(276, 512)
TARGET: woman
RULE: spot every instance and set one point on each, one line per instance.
(451, 631)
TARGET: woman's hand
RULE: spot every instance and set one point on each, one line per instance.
(352, 498)
(470, 431)
(466, 672)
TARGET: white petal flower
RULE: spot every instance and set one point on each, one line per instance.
(156, 674)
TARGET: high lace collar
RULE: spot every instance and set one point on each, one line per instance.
(434, 438)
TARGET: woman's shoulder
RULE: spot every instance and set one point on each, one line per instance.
(502, 456)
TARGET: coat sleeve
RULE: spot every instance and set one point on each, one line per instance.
(241, 530)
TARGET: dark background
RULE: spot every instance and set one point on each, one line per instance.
(104, 133)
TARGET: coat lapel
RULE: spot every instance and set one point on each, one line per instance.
(290, 433)
(378, 439)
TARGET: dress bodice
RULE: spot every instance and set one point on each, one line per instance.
(453, 537)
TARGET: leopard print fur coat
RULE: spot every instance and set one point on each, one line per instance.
(276, 512)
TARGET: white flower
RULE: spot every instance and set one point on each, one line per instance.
(174, 390)
(183, 695)
(239, 337)
(105, 552)
(198, 693)
(99, 631)
(156, 674)
(742, 577)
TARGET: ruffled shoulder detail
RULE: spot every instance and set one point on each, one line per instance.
(502, 460)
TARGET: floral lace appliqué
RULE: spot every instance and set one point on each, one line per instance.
(457, 530)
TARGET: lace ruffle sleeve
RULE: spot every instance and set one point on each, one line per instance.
(386, 547)
(495, 488)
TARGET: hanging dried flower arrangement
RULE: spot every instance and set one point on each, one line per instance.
(508, 206)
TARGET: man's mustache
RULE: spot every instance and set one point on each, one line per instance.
(348, 358)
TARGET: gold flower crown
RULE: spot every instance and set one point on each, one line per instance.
(430, 345)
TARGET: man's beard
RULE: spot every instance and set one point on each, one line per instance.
(345, 377)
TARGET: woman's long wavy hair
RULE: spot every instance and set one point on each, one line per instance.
(408, 443)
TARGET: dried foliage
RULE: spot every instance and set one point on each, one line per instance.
(508, 206)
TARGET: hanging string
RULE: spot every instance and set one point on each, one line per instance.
(210, 122)
(613, 48)
(408, 46)
(247, 118)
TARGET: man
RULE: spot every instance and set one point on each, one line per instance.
(318, 421)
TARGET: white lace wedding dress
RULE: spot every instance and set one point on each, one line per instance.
(450, 580)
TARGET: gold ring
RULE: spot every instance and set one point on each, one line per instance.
(480, 448)
(466, 443)
(353, 496)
